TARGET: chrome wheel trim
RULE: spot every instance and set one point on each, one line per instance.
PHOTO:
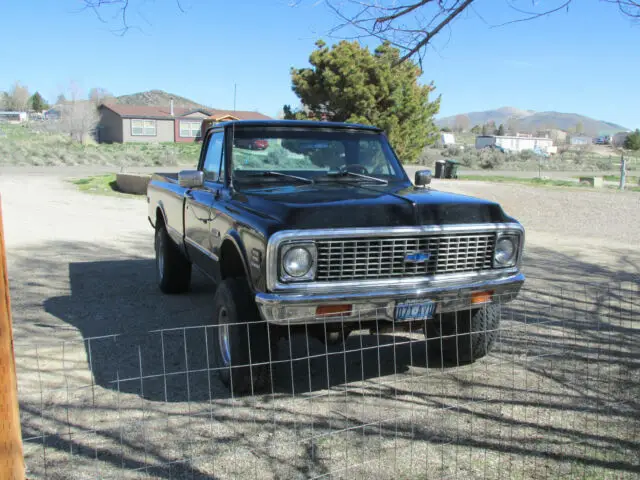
(223, 337)
(160, 256)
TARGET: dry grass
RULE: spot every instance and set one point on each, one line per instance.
(25, 146)
(569, 160)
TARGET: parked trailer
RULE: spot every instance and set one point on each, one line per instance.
(515, 143)
(13, 117)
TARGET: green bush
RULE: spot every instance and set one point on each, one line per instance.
(452, 151)
(469, 159)
(490, 159)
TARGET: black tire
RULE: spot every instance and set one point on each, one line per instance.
(173, 270)
(468, 335)
(247, 339)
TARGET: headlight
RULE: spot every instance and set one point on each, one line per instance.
(298, 262)
(506, 251)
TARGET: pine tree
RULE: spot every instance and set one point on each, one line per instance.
(38, 103)
(632, 142)
(348, 83)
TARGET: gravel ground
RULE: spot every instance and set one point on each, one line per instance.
(103, 359)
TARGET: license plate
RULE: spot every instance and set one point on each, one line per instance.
(415, 310)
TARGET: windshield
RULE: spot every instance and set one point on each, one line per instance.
(269, 155)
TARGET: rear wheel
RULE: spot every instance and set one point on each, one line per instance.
(466, 336)
(242, 353)
(173, 270)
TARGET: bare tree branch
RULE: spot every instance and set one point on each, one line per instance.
(630, 8)
(120, 9)
(412, 26)
(402, 11)
(533, 15)
(429, 35)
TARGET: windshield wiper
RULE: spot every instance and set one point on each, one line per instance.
(282, 175)
(344, 173)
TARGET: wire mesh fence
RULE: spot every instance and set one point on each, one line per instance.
(556, 396)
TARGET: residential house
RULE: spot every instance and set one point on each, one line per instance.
(219, 116)
(558, 136)
(579, 140)
(619, 139)
(143, 123)
(516, 143)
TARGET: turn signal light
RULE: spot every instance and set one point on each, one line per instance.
(481, 297)
(333, 310)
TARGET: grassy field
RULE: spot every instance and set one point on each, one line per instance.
(571, 160)
(616, 178)
(26, 146)
(528, 181)
(99, 184)
(542, 182)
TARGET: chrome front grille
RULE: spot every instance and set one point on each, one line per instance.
(370, 258)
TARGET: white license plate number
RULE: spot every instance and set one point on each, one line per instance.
(416, 310)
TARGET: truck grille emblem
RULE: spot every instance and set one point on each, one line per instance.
(417, 257)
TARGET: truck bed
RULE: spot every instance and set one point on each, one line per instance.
(166, 195)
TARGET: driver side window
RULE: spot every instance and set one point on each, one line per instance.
(213, 158)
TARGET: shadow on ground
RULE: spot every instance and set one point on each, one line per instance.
(566, 332)
(140, 341)
(161, 337)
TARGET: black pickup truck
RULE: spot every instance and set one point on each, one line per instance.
(316, 226)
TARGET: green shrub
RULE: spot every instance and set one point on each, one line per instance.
(452, 151)
(469, 159)
(490, 159)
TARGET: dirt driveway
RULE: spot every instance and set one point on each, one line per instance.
(102, 397)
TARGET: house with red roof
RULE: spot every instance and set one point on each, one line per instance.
(145, 123)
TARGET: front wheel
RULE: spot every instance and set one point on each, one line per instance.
(173, 270)
(242, 353)
(466, 336)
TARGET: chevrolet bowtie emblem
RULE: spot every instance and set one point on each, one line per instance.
(417, 257)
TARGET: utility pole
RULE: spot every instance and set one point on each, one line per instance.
(234, 97)
(623, 171)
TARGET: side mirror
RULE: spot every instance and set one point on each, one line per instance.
(423, 178)
(191, 178)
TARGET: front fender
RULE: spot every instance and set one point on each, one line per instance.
(233, 237)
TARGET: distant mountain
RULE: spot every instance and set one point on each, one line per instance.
(157, 98)
(529, 120)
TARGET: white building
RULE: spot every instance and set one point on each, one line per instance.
(581, 140)
(13, 117)
(516, 143)
(619, 138)
(445, 139)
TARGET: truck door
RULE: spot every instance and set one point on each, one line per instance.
(200, 208)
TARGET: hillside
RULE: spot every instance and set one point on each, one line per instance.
(529, 120)
(156, 98)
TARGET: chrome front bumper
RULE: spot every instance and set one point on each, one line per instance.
(296, 309)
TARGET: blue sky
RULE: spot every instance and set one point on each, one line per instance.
(585, 61)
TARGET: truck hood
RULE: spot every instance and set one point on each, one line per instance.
(351, 205)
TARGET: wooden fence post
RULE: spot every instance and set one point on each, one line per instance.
(11, 458)
(623, 171)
